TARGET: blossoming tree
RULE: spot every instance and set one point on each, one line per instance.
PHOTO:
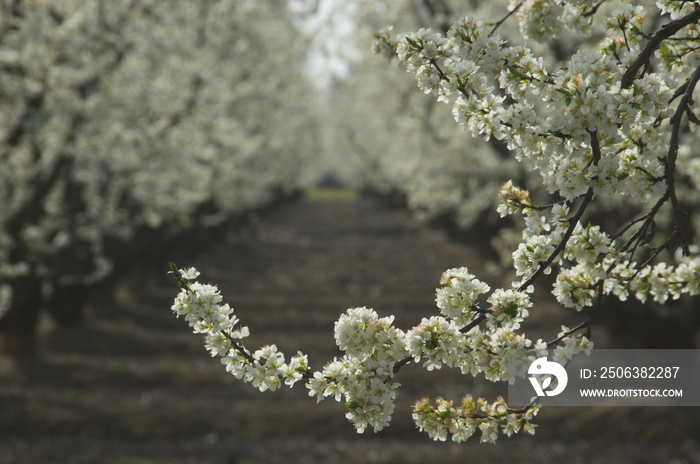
(611, 123)
(407, 147)
(126, 125)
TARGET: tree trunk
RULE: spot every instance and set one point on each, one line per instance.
(66, 304)
(18, 326)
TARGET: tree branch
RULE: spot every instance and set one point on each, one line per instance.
(503, 19)
(562, 244)
(582, 325)
(655, 41)
(681, 220)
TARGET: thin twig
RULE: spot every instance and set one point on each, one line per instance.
(476, 321)
(594, 9)
(562, 244)
(503, 19)
(595, 149)
(402, 363)
(239, 348)
(582, 325)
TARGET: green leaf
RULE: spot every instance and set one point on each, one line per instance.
(622, 176)
(567, 101)
(173, 268)
(352, 405)
(511, 310)
(612, 47)
(666, 52)
(413, 43)
(513, 71)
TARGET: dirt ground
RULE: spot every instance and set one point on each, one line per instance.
(133, 385)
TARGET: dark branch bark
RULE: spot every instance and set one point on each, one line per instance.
(681, 220)
(655, 41)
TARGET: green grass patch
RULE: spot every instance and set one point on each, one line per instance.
(330, 194)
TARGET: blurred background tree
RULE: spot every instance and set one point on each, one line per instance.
(129, 127)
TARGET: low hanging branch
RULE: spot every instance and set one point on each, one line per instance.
(580, 127)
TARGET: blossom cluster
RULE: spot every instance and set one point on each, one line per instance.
(498, 350)
(586, 106)
(459, 179)
(463, 420)
(363, 379)
(265, 369)
(585, 131)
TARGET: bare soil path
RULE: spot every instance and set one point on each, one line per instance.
(134, 386)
